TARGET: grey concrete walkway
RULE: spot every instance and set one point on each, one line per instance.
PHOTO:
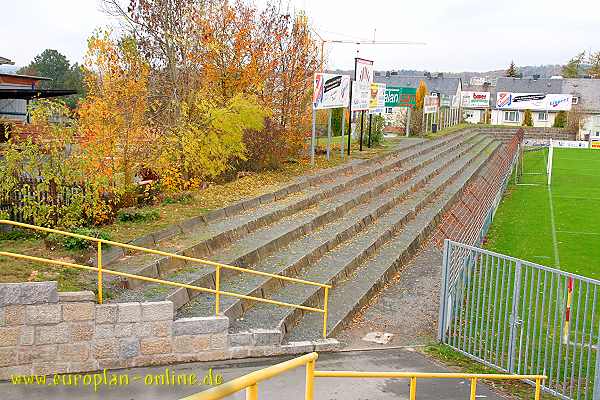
(289, 386)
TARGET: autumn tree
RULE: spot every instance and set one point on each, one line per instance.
(594, 62)
(512, 71)
(115, 138)
(573, 67)
(420, 95)
(527, 118)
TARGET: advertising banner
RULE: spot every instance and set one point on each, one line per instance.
(534, 101)
(331, 91)
(456, 101)
(396, 96)
(377, 100)
(475, 99)
(361, 89)
(595, 144)
(445, 101)
(430, 104)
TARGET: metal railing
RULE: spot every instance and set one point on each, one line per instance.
(218, 266)
(250, 382)
(522, 317)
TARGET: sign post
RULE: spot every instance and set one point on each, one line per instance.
(329, 91)
(361, 96)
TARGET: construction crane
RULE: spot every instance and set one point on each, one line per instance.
(361, 42)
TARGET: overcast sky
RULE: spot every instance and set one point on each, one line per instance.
(461, 35)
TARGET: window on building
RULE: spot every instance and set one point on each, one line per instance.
(542, 116)
(575, 100)
(511, 116)
(388, 110)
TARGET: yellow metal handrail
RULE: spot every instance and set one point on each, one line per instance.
(217, 292)
(250, 381)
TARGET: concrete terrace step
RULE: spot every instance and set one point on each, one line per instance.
(205, 239)
(304, 250)
(257, 245)
(353, 293)
(342, 260)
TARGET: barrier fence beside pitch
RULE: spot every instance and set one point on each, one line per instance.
(522, 318)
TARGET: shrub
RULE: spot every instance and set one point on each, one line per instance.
(377, 125)
(137, 215)
(527, 118)
(561, 120)
(71, 243)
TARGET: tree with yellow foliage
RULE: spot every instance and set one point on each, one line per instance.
(114, 135)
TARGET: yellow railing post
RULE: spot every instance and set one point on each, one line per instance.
(538, 388)
(310, 380)
(325, 304)
(413, 388)
(473, 388)
(100, 272)
(252, 392)
(218, 288)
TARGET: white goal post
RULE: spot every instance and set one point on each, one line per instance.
(549, 162)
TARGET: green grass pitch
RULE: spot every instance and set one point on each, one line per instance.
(523, 226)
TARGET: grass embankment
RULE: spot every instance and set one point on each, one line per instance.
(164, 214)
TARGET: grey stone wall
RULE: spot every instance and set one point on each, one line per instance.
(43, 331)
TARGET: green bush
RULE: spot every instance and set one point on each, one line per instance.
(377, 125)
(527, 118)
(71, 243)
(137, 215)
(561, 120)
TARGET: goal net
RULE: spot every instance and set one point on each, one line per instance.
(535, 165)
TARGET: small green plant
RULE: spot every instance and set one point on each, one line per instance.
(137, 215)
(180, 198)
(16, 234)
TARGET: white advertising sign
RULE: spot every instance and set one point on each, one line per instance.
(534, 101)
(574, 144)
(475, 99)
(430, 104)
(331, 91)
(361, 89)
(377, 99)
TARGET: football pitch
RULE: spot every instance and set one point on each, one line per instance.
(557, 225)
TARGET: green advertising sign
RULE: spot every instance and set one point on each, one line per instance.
(396, 96)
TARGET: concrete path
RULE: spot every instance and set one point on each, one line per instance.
(289, 386)
(407, 307)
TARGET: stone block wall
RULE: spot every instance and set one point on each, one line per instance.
(43, 331)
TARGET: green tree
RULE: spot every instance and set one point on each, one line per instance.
(594, 61)
(336, 121)
(512, 71)
(527, 118)
(52, 64)
(572, 68)
(561, 120)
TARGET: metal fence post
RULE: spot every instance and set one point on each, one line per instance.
(597, 369)
(444, 292)
(514, 320)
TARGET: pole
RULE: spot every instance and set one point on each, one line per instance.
(362, 118)
(329, 133)
(343, 128)
(350, 120)
(313, 137)
(370, 123)
(408, 111)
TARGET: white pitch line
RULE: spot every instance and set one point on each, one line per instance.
(579, 233)
(553, 225)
